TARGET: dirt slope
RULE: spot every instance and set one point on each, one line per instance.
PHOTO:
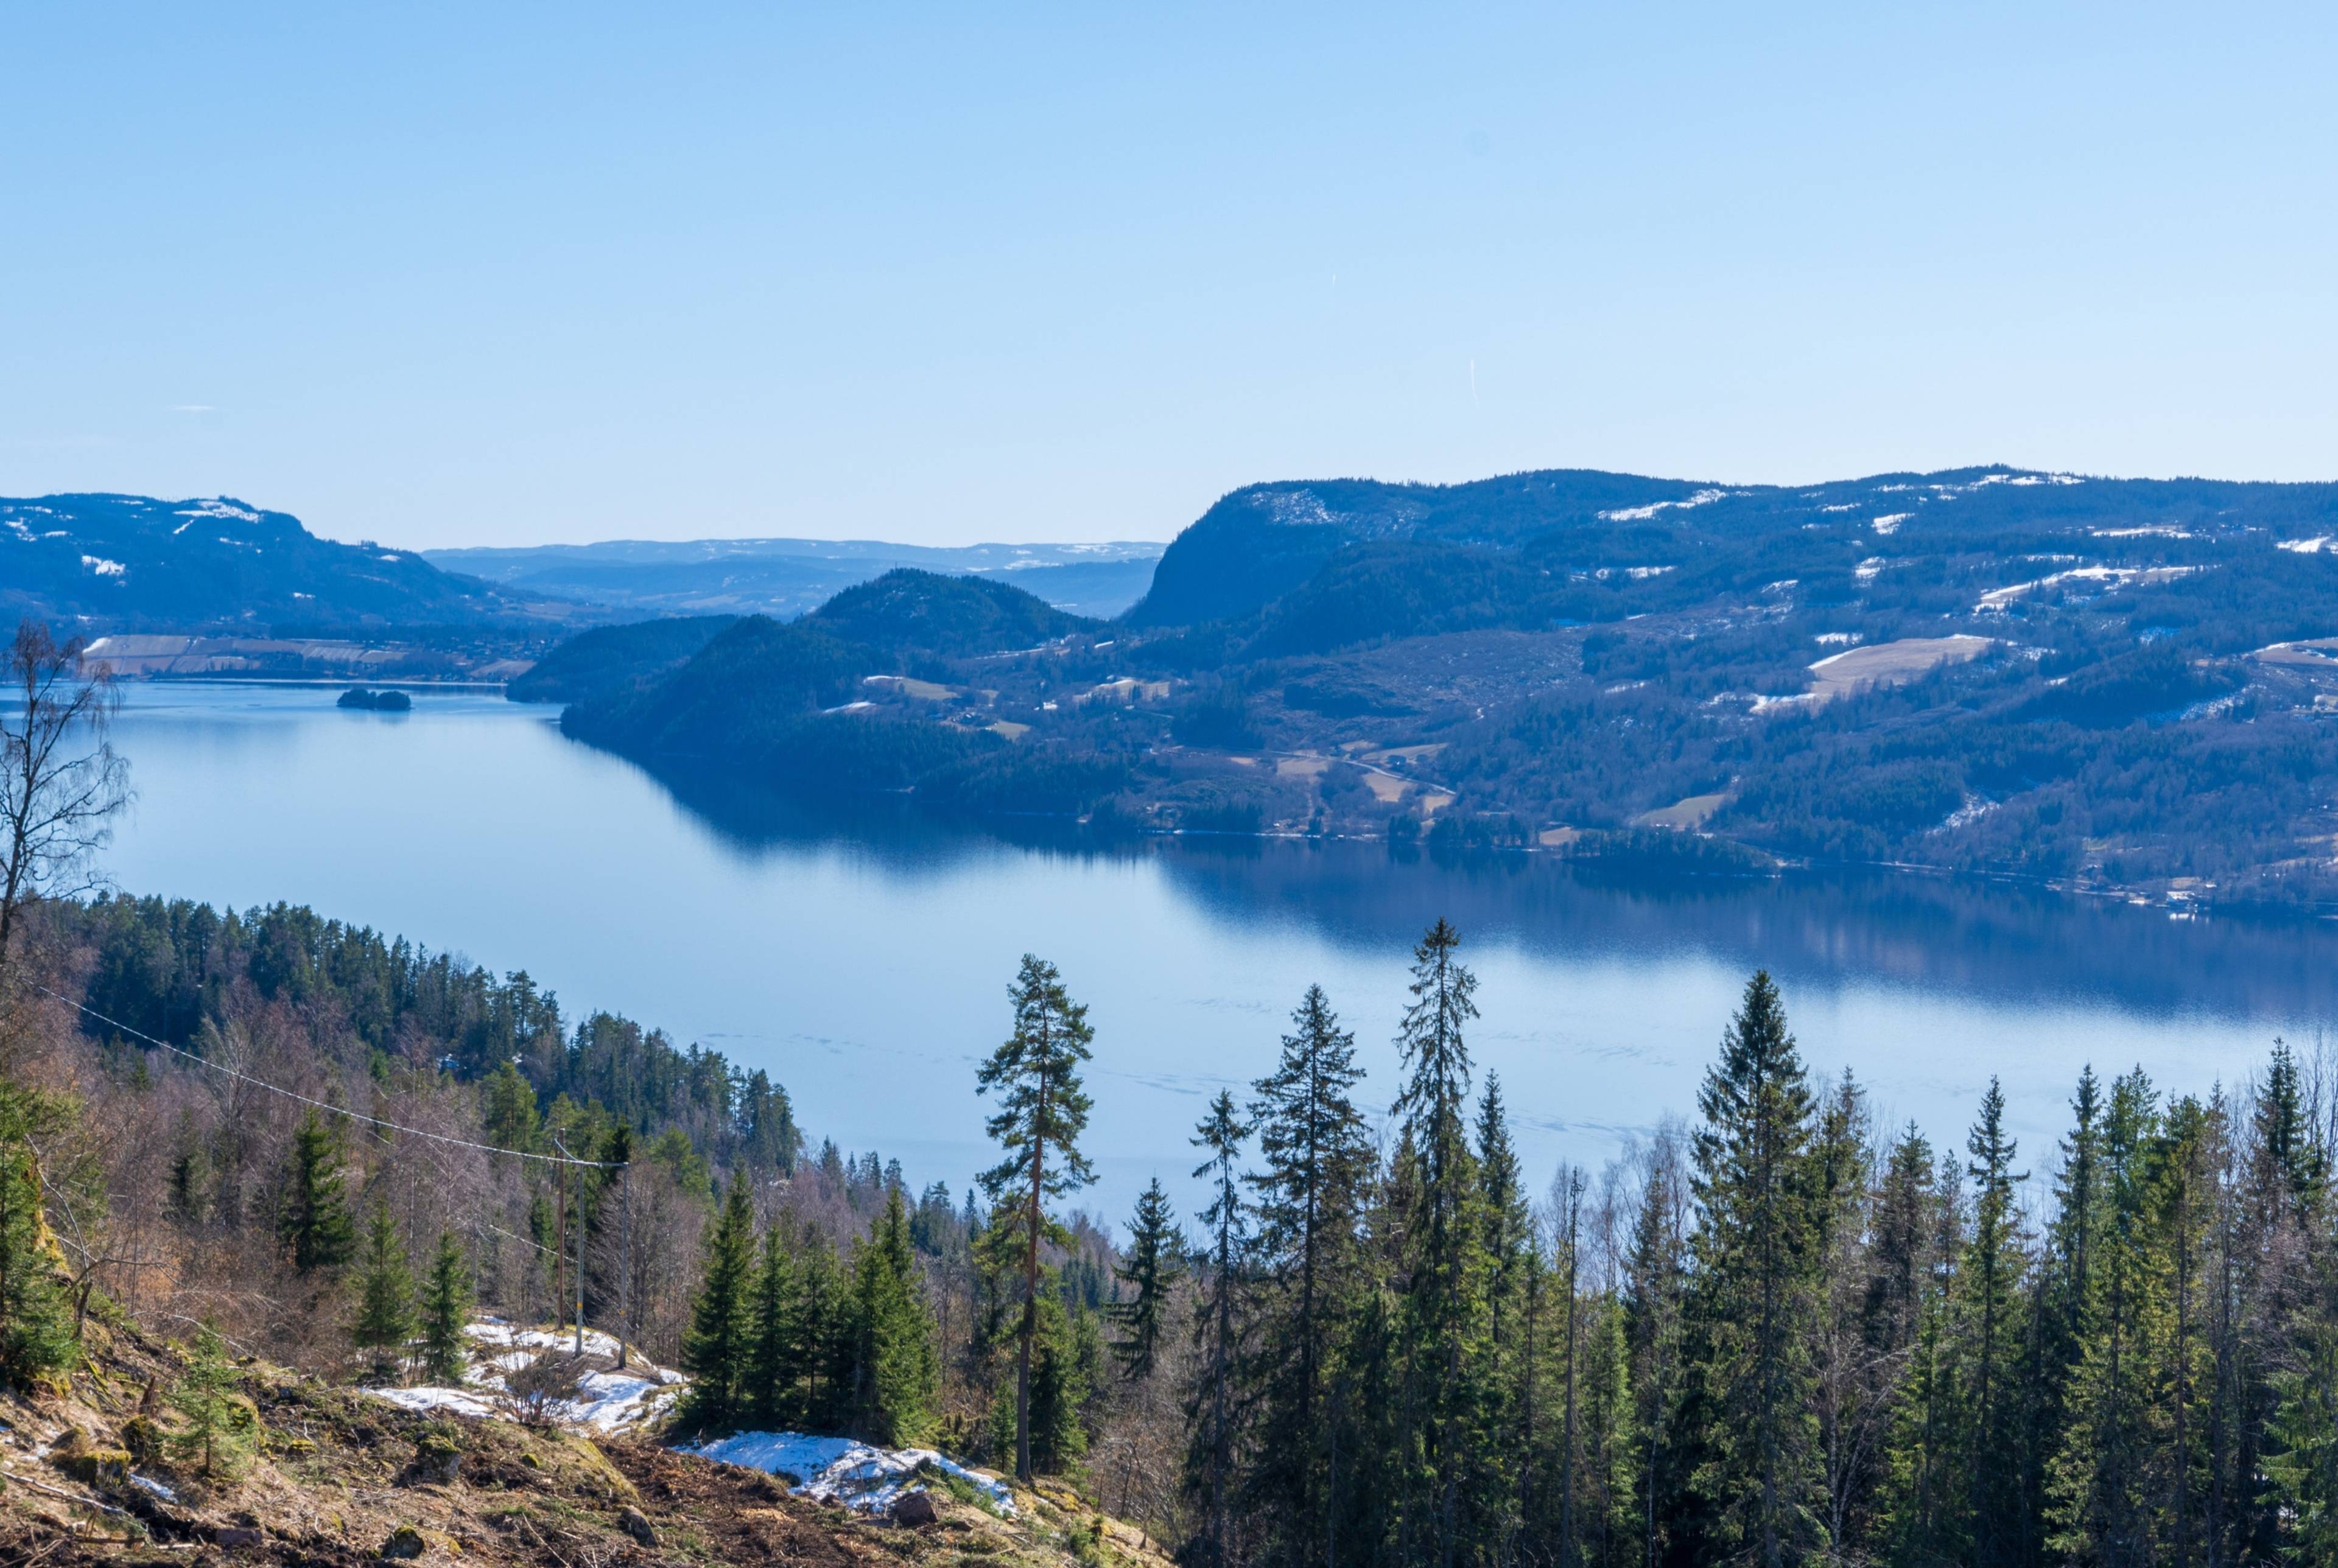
(342, 1478)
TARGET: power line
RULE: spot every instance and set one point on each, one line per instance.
(325, 1105)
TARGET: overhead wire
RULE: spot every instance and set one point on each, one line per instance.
(324, 1105)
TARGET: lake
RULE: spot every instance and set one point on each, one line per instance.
(865, 963)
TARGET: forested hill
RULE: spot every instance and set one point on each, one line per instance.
(855, 698)
(127, 562)
(2128, 684)
(1264, 541)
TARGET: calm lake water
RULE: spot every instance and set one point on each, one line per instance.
(865, 966)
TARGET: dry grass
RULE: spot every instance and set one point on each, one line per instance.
(1686, 815)
(1891, 663)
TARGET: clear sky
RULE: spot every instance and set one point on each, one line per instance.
(509, 273)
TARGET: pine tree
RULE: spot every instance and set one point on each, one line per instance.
(36, 1319)
(220, 1422)
(446, 1311)
(1218, 1323)
(1316, 1157)
(897, 1367)
(714, 1350)
(385, 1319)
(1060, 1391)
(1042, 1112)
(315, 1227)
(1151, 1268)
(1758, 1261)
(1443, 1324)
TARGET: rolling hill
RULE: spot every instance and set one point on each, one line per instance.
(132, 562)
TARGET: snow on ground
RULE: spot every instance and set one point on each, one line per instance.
(840, 1470)
(607, 1400)
(1642, 514)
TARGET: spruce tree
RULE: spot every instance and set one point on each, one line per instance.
(36, 1319)
(1758, 1261)
(896, 1365)
(2303, 1463)
(2101, 1503)
(1150, 1268)
(1042, 1112)
(1214, 1415)
(774, 1366)
(385, 1318)
(1653, 1277)
(714, 1350)
(1989, 1281)
(446, 1311)
(1443, 1324)
(824, 1337)
(316, 1227)
(1316, 1157)
(217, 1437)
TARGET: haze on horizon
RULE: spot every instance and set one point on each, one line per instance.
(446, 276)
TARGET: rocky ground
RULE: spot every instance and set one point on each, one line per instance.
(341, 1476)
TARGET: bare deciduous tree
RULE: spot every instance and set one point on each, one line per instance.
(61, 781)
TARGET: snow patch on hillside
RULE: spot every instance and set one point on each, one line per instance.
(841, 1470)
(1642, 514)
(606, 1399)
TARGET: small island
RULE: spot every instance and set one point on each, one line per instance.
(376, 701)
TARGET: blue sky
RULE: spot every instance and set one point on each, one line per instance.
(505, 274)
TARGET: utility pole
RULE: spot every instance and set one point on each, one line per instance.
(625, 1260)
(574, 1166)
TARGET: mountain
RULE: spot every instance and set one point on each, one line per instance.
(130, 561)
(787, 577)
(2113, 684)
(1264, 543)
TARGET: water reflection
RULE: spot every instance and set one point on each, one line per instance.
(2008, 941)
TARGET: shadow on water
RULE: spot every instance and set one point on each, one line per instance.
(2008, 942)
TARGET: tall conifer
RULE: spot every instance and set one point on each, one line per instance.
(315, 1227)
(445, 1309)
(1444, 1297)
(1150, 1268)
(1316, 1157)
(714, 1350)
(385, 1317)
(896, 1367)
(1218, 1323)
(1042, 1112)
(1758, 1256)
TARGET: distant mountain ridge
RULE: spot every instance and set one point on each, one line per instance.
(786, 577)
(134, 562)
